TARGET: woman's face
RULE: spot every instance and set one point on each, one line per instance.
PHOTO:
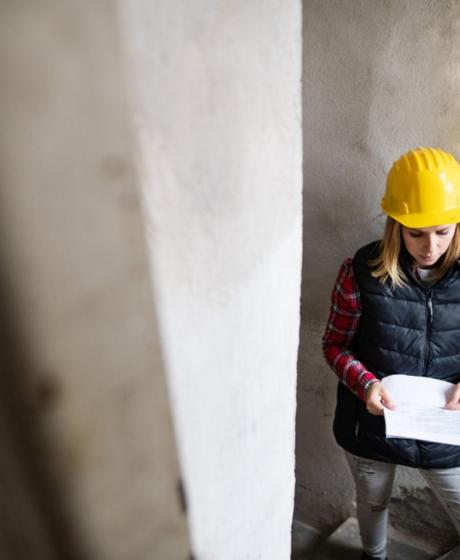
(427, 245)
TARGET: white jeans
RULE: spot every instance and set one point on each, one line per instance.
(374, 483)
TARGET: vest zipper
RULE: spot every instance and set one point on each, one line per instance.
(428, 333)
(429, 305)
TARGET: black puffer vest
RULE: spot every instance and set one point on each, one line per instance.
(410, 330)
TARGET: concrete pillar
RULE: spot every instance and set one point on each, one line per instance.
(88, 462)
(216, 94)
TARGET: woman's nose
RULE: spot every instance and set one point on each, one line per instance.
(430, 243)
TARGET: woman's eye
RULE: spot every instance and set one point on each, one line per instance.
(414, 234)
(442, 232)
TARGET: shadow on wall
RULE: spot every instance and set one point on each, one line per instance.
(35, 523)
(335, 156)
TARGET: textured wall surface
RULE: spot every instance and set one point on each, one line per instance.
(216, 92)
(379, 78)
(88, 463)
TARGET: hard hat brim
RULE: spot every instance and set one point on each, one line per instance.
(427, 220)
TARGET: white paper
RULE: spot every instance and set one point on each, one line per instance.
(419, 412)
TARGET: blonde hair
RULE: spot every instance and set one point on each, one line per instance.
(386, 265)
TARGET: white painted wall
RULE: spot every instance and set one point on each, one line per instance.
(379, 78)
(216, 93)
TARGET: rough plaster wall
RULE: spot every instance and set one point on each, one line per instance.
(91, 472)
(379, 78)
(217, 97)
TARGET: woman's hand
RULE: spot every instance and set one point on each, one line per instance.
(454, 401)
(377, 398)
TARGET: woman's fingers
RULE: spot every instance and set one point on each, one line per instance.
(454, 401)
(377, 399)
(386, 399)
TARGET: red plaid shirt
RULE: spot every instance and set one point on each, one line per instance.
(342, 327)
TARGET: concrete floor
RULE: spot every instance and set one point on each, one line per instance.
(344, 544)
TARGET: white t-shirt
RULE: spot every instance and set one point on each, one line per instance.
(426, 276)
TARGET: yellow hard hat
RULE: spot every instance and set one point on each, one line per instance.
(423, 189)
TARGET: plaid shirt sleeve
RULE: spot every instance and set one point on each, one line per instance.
(341, 329)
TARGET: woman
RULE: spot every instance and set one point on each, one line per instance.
(396, 310)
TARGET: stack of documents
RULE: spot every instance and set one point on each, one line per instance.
(420, 412)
